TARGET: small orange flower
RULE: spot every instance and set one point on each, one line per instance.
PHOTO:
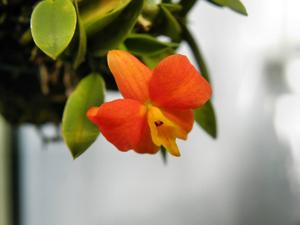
(158, 104)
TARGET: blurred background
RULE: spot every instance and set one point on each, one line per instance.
(250, 175)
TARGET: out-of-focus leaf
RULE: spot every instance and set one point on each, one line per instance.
(187, 5)
(164, 154)
(144, 44)
(53, 25)
(152, 60)
(78, 132)
(150, 9)
(116, 32)
(148, 48)
(99, 13)
(171, 26)
(172, 7)
(188, 37)
(235, 5)
(81, 51)
(206, 118)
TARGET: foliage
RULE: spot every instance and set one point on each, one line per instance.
(52, 46)
(78, 132)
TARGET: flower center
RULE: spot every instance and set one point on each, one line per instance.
(158, 123)
(163, 130)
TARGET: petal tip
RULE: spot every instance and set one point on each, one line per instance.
(92, 114)
(114, 52)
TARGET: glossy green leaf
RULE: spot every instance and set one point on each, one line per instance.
(78, 132)
(188, 37)
(53, 24)
(112, 35)
(171, 26)
(164, 154)
(81, 51)
(99, 13)
(145, 44)
(206, 118)
(235, 5)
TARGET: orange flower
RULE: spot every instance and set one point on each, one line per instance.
(158, 104)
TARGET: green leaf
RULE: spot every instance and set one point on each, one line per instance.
(145, 44)
(164, 154)
(152, 60)
(171, 26)
(149, 49)
(172, 7)
(53, 24)
(99, 13)
(150, 9)
(206, 118)
(235, 5)
(81, 51)
(112, 35)
(187, 5)
(78, 132)
(188, 37)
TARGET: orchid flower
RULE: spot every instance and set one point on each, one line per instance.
(157, 105)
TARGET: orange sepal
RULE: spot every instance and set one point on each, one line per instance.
(131, 75)
(175, 83)
(122, 122)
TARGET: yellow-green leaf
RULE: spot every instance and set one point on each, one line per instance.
(98, 13)
(82, 40)
(78, 132)
(53, 24)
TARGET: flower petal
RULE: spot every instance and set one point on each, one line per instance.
(124, 124)
(175, 83)
(131, 75)
(183, 118)
(146, 144)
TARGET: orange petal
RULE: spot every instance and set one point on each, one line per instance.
(146, 144)
(131, 75)
(183, 118)
(123, 122)
(175, 83)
